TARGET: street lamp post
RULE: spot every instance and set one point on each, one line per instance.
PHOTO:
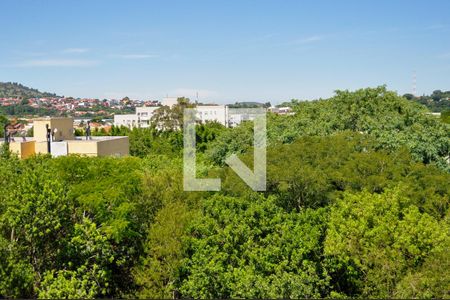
(48, 138)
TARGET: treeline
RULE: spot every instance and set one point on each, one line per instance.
(250, 105)
(438, 101)
(17, 90)
(357, 205)
(27, 110)
(445, 116)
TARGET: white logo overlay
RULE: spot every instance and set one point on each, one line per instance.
(255, 179)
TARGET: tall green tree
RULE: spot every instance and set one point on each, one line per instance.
(249, 247)
(171, 118)
(374, 240)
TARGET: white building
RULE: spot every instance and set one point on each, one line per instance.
(169, 101)
(213, 113)
(238, 115)
(144, 115)
(141, 118)
(205, 113)
(130, 120)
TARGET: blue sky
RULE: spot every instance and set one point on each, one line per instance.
(226, 51)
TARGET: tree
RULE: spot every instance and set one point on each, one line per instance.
(248, 247)
(357, 205)
(36, 219)
(438, 101)
(394, 121)
(3, 121)
(158, 273)
(232, 140)
(168, 118)
(373, 241)
(409, 96)
(445, 116)
(431, 280)
(91, 275)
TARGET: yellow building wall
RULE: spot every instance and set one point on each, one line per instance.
(22, 149)
(41, 147)
(112, 146)
(64, 128)
(87, 147)
(28, 149)
(14, 147)
(118, 146)
(39, 130)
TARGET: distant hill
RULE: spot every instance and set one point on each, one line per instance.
(249, 105)
(438, 101)
(17, 90)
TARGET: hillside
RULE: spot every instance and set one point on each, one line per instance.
(17, 90)
(249, 105)
(438, 101)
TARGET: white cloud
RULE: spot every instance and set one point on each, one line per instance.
(76, 50)
(135, 56)
(58, 63)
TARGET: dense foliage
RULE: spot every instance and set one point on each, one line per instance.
(26, 110)
(249, 105)
(357, 205)
(445, 116)
(393, 121)
(438, 101)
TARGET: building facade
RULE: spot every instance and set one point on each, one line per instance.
(222, 114)
(212, 113)
(55, 136)
(144, 115)
(128, 120)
